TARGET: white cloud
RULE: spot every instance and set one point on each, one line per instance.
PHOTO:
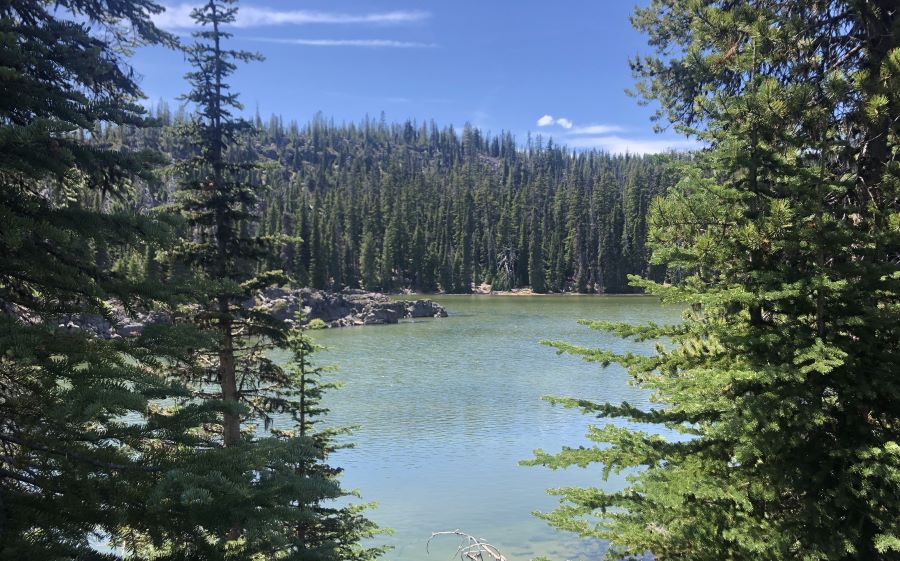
(620, 145)
(597, 129)
(548, 120)
(175, 17)
(599, 137)
(370, 43)
(179, 17)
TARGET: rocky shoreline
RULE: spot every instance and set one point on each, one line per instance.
(347, 308)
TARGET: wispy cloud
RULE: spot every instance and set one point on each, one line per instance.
(600, 137)
(369, 43)
(621, 145)
(179, 17)
(597, 129)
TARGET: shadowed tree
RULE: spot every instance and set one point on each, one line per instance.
(84, 447)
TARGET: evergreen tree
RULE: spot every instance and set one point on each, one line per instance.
(785, 239)
(536, 275)
(577, 228)
(389, 249)
(84, 450)
(261, 502)
(368, 261)
(325, 532)
(317, 261)
(214, 195)
(423, 278)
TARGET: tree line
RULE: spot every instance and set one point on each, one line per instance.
(404, 206)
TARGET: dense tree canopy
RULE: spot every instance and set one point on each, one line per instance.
(786, 234)
(389, 207)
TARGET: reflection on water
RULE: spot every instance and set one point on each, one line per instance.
(448, 407)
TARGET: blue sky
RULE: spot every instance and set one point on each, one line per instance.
(559, 69)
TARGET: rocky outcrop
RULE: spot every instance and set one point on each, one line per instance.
(335, 309)
(345, 308)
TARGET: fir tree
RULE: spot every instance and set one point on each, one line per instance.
(785, 240)
(325, 532)
(261, 502)
(368, 261)
(536, 270)
(84, 448)
(214, 195)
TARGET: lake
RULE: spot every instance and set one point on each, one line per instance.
(448, 407)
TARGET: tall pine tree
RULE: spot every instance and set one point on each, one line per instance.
(786, 240)
(269, 491)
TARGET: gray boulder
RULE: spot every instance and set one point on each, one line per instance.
(425, 309)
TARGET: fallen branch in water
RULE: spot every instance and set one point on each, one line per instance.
(470, 548)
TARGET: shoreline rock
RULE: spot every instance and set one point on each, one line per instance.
(347, 308)
(343, 309)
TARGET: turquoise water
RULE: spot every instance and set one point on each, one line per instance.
(448, 407)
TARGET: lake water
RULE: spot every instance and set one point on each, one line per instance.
(448, 407)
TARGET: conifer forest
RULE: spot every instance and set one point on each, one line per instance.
(391, 207)
(705, 323)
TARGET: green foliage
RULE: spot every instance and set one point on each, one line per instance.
(217, 199)
(783, 243)
(83, 443)
(392, 207)
(267, 500)
(331, 532)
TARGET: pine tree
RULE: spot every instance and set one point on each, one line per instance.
(368, 261)
(326, 531)
(536, 275)
(317, 261)
(259, 502)
(213, 197)
(389, 248)
(785, 238)
(577, 225)
(84, 448)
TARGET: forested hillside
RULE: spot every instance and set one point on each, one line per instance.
(405, 206)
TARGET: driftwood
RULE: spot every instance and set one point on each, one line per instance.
(506, 266)
(470, 548)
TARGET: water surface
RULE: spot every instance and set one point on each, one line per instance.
(448, 407)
